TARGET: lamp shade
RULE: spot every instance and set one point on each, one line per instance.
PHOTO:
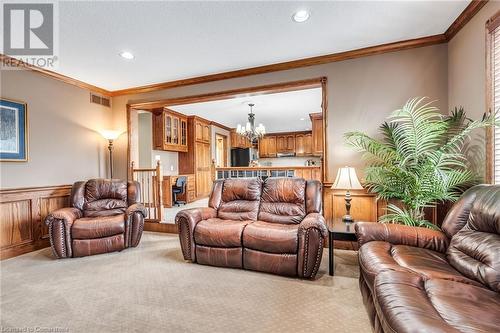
(347, 180)
(110, 134)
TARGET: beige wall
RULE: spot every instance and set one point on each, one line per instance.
(361, 93)
(467, 73)
(64, 145)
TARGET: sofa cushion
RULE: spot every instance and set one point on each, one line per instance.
(274, 263)
(98, 227)
(474, 250)
(283, 200)
(240, 199)
(219, 233)
(271, 237)
(407, 302)
(96, 189)
(376, 257)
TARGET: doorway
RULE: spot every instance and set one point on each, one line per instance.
(221, 150)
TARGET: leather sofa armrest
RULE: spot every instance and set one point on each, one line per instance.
(311, 235)
(186, 221)
(137, 208)
(314, 220)
(59, 223)
(398, 234)
(134, 218)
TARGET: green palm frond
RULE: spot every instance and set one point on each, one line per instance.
(421, 158)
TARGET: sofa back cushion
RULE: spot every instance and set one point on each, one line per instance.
(313, 196)
(101, 197)
(283, 200)
(458, 215)
(239, 198)
(475, 249)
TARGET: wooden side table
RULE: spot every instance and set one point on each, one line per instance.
(338, 230)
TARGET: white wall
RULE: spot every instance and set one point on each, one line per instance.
(64, 141)
(467, 73)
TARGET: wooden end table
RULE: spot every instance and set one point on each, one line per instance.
(338, 230)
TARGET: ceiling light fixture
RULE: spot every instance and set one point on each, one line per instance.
(301, 16)
(250, 131)
(302, 119)
(126, 55)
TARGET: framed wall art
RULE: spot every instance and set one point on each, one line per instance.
(13, 131)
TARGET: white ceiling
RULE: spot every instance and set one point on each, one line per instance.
(176, 40)
(280, 112)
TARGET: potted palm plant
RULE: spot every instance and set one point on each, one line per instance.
(419, 160)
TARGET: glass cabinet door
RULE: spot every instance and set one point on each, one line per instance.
(168, 129)
(183, 133)
(175, 131)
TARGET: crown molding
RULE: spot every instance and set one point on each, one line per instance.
(472, 9)
(468, 13)
(282, 66)
(4, 60)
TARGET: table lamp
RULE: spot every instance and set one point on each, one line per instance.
(347, 180)
(110, 135)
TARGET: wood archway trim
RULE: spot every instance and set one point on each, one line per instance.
(318, 82)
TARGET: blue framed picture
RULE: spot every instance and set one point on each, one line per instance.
(13, 131)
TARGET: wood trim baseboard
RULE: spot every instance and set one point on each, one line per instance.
(468, 13)
(161, 227)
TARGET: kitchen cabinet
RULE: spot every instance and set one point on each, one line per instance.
(285, 144)
(238, 141)
(202, 131)
(170, 131)
(267, 146)
(303, 144)
(197, 160)
(317, 133)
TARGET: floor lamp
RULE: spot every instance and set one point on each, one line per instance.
(110, 135)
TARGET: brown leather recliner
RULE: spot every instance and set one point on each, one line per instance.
(274, 226)
(421, 280)
(105, 216)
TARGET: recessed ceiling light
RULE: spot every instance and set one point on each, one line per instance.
(302, 119)
(126, 55)
(301, 16)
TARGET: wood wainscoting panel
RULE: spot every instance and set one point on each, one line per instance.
(47, 205)
(22, 212)
(16, 223)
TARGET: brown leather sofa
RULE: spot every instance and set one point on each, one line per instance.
(421, 280)
(274, 226)
(105, 216)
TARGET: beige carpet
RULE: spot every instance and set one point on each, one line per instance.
(152, 289)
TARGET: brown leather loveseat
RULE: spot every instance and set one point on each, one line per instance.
(421, 280)
(105, 216)
(274, 226)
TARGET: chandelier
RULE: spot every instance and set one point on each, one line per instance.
(249, 131)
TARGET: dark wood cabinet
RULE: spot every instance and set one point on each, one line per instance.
(197, 160)
(170, 131)
(317, 133)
